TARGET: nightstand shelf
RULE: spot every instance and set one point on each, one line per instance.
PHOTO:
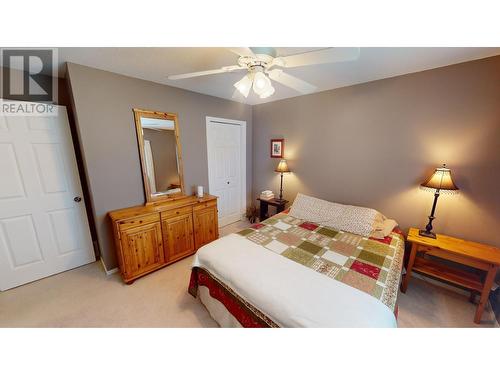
(425, 255)
(465, 279)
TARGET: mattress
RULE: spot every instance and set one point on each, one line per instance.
(285, 272)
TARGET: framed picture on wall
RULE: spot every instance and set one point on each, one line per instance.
(277, 148)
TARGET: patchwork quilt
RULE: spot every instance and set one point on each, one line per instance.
(370, 265)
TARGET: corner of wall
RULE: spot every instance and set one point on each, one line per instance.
(80, 158)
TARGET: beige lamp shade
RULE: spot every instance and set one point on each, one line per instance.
(440, 180)
(282, 167)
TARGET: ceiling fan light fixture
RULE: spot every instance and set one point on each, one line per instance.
(268, 93)
(244, 85)
(261, 83)
(258, 61)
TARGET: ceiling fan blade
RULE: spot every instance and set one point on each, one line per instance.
(322, 56)
(290, 81)
(224, 69)
(242, 51)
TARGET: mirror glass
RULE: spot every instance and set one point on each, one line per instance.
(160, 154)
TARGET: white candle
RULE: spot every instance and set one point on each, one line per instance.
(200, 191)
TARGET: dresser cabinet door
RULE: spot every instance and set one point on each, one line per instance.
(178, 236)
(205, 225)
(142, 249)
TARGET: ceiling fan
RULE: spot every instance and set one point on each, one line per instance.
(263, 65)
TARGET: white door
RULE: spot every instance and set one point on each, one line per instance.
(226, 167)
(43, 223)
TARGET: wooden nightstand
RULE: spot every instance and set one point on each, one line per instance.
(472, 254)
(264, 207)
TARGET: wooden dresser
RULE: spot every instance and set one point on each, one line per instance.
(152, 236)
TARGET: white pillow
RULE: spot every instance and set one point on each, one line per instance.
(353, 219)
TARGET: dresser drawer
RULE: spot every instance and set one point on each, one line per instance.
(138, 221)
(201, 206)
(176, 212)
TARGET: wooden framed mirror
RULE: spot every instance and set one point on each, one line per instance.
(160, 153)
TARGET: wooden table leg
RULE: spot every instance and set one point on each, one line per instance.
(406, 279)
(488, 282)
(472, 297)
(264, 211)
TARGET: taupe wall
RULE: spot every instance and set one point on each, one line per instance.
(369, 144)
(103, 103)
(372, 144)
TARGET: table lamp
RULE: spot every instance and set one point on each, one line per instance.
(282, 168)
(439, 181)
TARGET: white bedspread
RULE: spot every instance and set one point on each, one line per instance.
(290, 294)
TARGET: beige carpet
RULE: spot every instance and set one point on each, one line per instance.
(86, 297)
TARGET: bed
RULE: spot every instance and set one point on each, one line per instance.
(291, 271)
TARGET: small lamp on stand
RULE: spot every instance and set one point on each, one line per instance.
(439, 181)
(282, 168)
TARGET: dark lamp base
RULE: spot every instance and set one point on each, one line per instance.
(280, 200)
(424, 233)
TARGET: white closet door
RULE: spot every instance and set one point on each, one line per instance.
(43, 222)
(224, 145)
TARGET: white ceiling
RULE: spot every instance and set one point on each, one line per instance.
(155, 64)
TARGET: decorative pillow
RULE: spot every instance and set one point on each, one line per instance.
(383, 227)
(358, 220)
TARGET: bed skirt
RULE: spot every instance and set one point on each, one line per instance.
(240, 310)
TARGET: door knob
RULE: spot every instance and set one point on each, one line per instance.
(77, 199)
(228, 182)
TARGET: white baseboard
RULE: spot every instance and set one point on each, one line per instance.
(110, 272)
